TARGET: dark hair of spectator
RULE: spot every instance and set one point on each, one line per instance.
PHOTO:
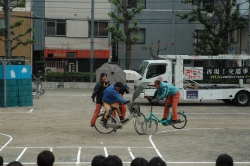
(1, 160)
(119, 84)
(224, 160)
(15, 163)
(103, 75)
(97, 160)
(45, 158)
(112, 160)
(156, 161)
(139, 161)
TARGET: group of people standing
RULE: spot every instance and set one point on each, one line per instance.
(109, 96)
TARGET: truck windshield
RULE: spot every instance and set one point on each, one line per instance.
(142, 68)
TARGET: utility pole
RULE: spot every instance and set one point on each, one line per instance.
(92, 41)
(172, 27)
(7, 40)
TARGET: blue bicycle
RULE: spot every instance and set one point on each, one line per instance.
(150, 125)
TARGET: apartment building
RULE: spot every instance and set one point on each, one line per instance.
(155, 22)
(24, 13)
(63, 34)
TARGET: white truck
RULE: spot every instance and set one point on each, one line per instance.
(172, 69)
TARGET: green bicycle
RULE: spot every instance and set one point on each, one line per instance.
(150, 125)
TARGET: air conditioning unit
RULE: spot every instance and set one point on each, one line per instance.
(49, 69)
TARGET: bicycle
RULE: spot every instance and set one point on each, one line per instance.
(150, 125)
(38, 89)
(114, 123)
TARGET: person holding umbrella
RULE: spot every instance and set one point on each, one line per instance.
(97, 94)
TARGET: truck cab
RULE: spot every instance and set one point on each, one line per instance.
(150, 70)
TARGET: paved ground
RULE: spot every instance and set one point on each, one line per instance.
(59, 121)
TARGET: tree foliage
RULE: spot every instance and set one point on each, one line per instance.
(220, 19)
(124, 24)
(16, 39)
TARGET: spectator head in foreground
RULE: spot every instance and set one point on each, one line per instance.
(156, 161)
(45, 158)
(224, 160)
(97, 160)
(1, 161)
(139, 161)
(15, 163)
(112, 160)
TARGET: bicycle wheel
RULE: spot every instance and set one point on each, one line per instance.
(182, 121)
(138, 121)
(150, 127)
(99, 124)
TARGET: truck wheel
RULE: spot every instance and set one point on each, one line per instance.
(228, 101)
(242, 98)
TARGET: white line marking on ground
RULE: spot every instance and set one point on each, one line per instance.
(18, 158)
(79, 156)
(31, 110)
(131, 154)
(157, 151)
(51, 149)
(152, 143)
(6, 142)
(69, 147)
(106, 152)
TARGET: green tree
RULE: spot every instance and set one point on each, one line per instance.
(219, 20)
(16, 38)
(124, 14)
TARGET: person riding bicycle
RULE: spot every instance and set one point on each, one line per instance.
(164, 90)
(97, 94)
(111, 99)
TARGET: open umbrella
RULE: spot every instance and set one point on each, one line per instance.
(132, 75)
(139, 89)
(114, 73)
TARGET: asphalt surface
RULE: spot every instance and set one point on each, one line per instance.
(60, 121)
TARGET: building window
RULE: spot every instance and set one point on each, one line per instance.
(138, 4)
(197, 33)
(55, 27)
(141, 33)
(99, 29)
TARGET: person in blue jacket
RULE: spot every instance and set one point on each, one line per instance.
(173, 94)
(111, 99)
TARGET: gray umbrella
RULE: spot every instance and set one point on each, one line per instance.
(139, 89)
(114, 73)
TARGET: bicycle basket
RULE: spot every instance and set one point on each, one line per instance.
(134, 108)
